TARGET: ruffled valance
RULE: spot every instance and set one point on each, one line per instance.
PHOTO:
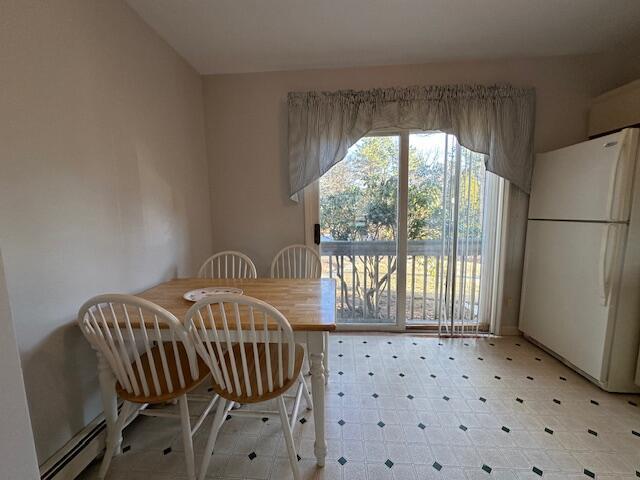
(497, 121)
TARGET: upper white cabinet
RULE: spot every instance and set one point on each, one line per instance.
(615, 109)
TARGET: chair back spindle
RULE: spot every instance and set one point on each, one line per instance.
(247, 344)
(108, 323)
(296, 261)
(228, 264)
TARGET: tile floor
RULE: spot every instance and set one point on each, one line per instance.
(414, 407)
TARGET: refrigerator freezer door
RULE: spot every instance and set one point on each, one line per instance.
(589, 181)
(565, 304)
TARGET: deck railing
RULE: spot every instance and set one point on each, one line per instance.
(366, 278)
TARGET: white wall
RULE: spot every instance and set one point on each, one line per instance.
(103, 171)
(246, 140)
(103, 184)
(17, 450)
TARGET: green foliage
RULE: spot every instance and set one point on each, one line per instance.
(359, 195)
(426, 178)
(339, 212)
(358, 202)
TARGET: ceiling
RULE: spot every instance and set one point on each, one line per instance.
(232, 36)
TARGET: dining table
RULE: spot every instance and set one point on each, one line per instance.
(308, 304)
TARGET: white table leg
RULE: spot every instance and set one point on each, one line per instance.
(316, 343)
(326, 357)
(109, 400)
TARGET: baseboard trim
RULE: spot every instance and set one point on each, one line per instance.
(87, 445)
(77, 453)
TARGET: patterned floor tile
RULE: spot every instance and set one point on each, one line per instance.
(411, 406)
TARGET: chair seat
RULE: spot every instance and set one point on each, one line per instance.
(262, 361)
(165, 394)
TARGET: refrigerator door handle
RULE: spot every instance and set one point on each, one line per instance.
(605, 264)
(622, 175)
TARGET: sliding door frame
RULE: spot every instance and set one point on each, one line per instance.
(311, 217)
(403, 232)
(311, 199)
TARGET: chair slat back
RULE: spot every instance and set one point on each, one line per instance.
(123, 328)
(228, 264)
(215, 324)
(296, 261)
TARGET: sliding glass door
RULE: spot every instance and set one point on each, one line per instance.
(404, 232)
(445, 222)
(359, 230)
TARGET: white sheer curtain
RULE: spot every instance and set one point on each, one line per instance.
(495, 213)
(497, 121)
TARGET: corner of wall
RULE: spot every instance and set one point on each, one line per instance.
(18, 458)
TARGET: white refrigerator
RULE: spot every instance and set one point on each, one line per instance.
(581, 285)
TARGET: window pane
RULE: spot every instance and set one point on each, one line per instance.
(446, 195)
(358, 221)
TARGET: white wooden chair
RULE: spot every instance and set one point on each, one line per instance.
(250, 350)
(296, 261)
(228, 264)
(152, 358)
(300, 261)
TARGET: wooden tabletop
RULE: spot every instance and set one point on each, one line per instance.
(307, 304)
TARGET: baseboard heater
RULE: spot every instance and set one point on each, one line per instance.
(78, 452)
